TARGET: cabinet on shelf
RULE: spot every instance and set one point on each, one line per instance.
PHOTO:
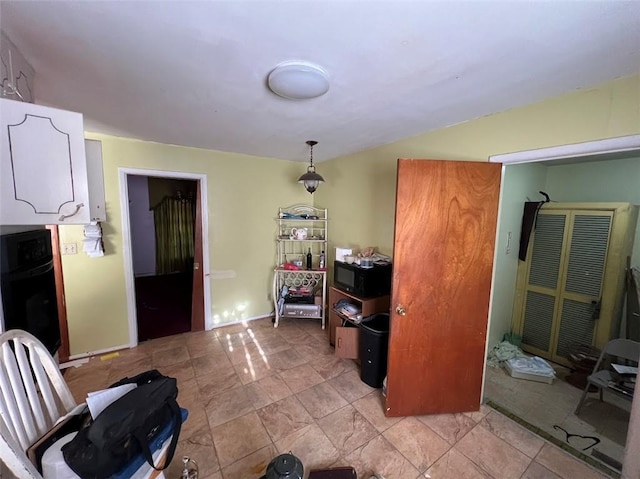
(345, 338)
(299, 292)
(43, 166)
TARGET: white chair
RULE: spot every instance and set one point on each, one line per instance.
(601, 378)
(33, 397)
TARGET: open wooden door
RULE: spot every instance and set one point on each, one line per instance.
(446, 214)
(197, 295)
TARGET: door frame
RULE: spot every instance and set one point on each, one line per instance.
(129, 276)
(580, 152)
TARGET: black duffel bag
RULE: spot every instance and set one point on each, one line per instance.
(126, 427)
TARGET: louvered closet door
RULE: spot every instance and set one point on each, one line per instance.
(582, 279)
(543, 285)
(567, 258)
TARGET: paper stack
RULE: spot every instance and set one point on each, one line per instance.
(92, 244)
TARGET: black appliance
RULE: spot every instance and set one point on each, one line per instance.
(363, 282)
(28, 286)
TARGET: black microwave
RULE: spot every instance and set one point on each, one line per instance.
(362, 282)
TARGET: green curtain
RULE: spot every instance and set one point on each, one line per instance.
(174, 220)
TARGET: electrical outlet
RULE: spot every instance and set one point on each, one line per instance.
(69, 248)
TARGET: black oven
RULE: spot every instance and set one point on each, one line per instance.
(28, 286)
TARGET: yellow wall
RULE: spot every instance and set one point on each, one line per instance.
(244, 194)
(360, 189)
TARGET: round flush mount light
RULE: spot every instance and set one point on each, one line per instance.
(298, 80)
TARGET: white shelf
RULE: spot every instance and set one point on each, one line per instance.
(289, 250)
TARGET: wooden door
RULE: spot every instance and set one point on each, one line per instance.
(446, 214)
(197, 294)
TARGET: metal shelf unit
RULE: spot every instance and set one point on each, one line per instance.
(289, 249)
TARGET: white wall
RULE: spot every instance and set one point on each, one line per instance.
(143, 240)
(520, 183)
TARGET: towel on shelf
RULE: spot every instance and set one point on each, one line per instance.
(92, 244)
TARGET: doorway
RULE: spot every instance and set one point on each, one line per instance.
(162, 224)
(549, 408)
(164, 216)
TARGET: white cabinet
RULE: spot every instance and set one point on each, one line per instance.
(298, 291)
(43, 169)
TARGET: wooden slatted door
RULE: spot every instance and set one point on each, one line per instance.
(564, 278)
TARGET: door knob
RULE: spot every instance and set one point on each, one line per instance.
(400, 310)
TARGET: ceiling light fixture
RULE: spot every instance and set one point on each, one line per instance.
(298, 80)
(311, 179)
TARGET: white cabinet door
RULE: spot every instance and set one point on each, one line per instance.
(43, 169)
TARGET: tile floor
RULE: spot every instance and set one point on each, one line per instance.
(253, 392)
(551, 407)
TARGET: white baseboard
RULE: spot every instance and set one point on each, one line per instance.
(89, 354)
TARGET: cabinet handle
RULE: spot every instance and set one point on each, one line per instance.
(78, 206)
(339, 342)
(400, 310)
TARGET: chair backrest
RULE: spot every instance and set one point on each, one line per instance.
(33, 395)
(623, 348)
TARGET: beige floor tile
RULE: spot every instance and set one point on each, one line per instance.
(417, 442)
(268, 390)
(221, 411)
(239, 438)
(321, 400)
(477, 416)
(251, 467)
(167, 357)
(287, 359)
(455, 465)
(301, 378)
(536, 471)
(254, 369)
(210, 363)
(347, 429)
(350, 386)
(201, 449)
(129, 368)
(564, 465)
(311, 446)
(227, 406)
(452, 427)
(214, 383)
(371, 407)
(293, 336)
(514, 434)
(182, 371)
(196, 424)
(203, 344)
(315, 350)
(493, 454)
(331, 366)
(161, 344)
(284, 417)
(272, 344)
(378, 456)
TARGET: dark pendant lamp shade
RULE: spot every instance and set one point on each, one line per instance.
(311, 180)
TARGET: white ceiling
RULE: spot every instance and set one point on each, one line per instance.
(194, 73)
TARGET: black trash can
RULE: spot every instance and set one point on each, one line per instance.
(374, 347)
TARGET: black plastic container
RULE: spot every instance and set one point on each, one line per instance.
(374, 348)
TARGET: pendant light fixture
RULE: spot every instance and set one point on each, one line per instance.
(311, 179)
